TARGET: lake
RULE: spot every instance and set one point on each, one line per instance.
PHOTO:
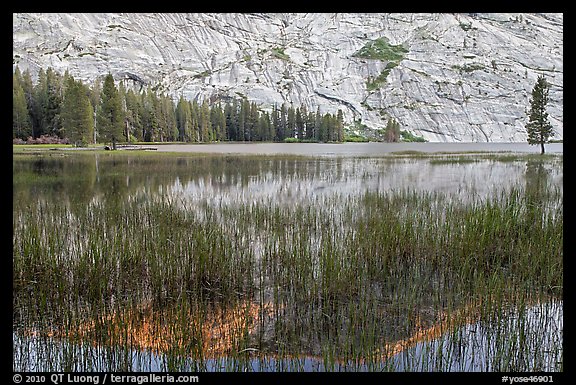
(353, 259)
(356, 149)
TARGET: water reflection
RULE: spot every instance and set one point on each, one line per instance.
(289, 231)
(355, 149)
(228, 180)
(473, 347)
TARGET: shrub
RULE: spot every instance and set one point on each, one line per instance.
(47, 139)
(409, 137)
(381, 49)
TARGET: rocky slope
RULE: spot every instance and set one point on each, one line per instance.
(446, 77)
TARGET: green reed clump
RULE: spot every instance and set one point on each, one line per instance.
(415, 263)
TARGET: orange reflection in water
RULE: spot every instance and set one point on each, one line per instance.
(466, 315)
(218, 330)
(213, 332)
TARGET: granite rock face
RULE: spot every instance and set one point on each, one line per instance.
(459, 78)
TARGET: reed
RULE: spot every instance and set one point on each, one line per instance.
(382, 280)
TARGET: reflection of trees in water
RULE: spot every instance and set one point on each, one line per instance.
(537, 183)
(81, 177)
(59, 178)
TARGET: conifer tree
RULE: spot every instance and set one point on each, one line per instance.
(167, 118)
(281, 130)
(204, 123)
(230, 114)
(218, 121)
(299, 123)
(242, 117)
(339, 126)
(539, 128)
(318, 124)
(252, 122)
(110, 120)
(28, 87)
(21, 124)
(275, 122)
(324, 130)
(150, 116)
(291, 122)
(195, 119)
(311, 126)
(184, 120)
(392, 131)
(77, 113)
(52, 102)
(94, 95)
(133, 116)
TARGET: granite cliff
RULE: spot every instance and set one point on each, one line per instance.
(446, 77)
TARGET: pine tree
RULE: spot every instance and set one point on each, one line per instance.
(332, 132)
(110, 120)
(231, 119)
(222, 123)
(291, 122)
(184, 120)
(150, 116)
(53, 101)
(133, 118)
(324, 128)
(38, 110)
(275, 122)
(218, 122)
(252, 122)
(122, 96)
(281, 130)
(310, 126)
(242, 118)
(266, 127)
(339, 126)
(539, 128)
(21, 125)
(195, 120)
(48, 99)
(77, 113)
(167, 118)
(204, 123)
(28, 87)
(300, 129)
(318, 125)
(95, 92)
(392, 131)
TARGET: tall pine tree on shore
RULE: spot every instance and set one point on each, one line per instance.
(110, 117)
(77, 113)
(21, 124)
(539, 128)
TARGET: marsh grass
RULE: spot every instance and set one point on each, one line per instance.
(354, 281)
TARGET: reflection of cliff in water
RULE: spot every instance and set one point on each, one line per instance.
(283, 180)
(470, 347)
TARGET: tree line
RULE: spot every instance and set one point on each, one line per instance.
(60, 106)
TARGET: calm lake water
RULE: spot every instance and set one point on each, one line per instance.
(465, 350)
(334, 185)
(228, 178)
(355, 149)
